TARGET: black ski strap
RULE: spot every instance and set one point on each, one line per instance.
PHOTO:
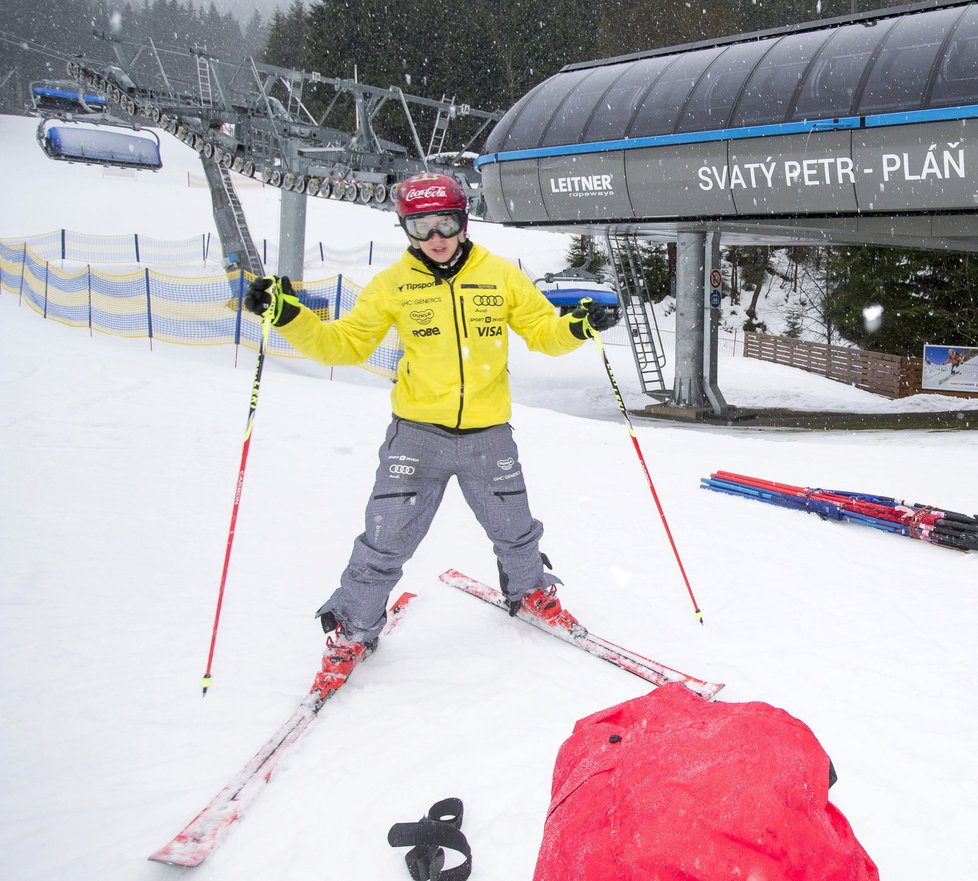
(439, 829)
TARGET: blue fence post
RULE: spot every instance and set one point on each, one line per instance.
(47, 264)
(336, 311)
(149, 311)
(135, 238)
(23, 269)
(370, 256)
(237, 329)
(63, 245)
(89, 267)
(322, 255)
(237, 323)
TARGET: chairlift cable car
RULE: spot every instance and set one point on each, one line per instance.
(61, 96)
(99, 144)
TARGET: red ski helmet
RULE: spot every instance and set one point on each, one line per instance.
(429, 193)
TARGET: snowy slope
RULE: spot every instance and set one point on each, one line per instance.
(117, 469)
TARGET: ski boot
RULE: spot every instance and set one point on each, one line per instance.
(543, 603)
(339, 658)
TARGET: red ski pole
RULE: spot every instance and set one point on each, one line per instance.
(648, 477)
(266, 324)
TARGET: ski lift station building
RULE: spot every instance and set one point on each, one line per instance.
(861, 130)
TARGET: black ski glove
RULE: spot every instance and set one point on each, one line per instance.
(590, 318)
(274, 293)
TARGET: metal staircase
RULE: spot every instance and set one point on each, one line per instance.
(204, 81)
(644, 336)
(239, 248)
(252, 261)
(440, 130)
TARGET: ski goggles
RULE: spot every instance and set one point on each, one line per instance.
(445, 224)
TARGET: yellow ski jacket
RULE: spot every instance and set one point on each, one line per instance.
(455, 334)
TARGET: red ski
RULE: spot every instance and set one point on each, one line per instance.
(576, 634)
(204, 834)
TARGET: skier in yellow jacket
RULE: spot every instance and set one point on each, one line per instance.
(453, 304)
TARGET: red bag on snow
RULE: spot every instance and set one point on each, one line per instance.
(671, 787)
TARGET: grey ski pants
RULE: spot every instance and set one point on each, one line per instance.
(416, 462)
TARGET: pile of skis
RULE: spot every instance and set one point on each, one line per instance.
(924, 522)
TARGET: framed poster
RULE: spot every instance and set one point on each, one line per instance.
(950, 368)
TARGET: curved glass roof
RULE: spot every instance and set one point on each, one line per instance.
(908, 61)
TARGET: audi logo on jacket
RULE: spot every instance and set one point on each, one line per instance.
(455, 335)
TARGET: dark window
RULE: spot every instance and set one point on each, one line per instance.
(832, 80)
(618, 106)
(538, 111)
(497, 137)
(567, 126)
(662, 105)
(898, 80)
(957, 72)
(716, 90)
(771, 87)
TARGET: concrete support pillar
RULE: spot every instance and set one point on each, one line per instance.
(687, 389)
(292, 235)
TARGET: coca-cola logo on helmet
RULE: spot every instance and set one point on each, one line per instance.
(428, 192)
(433, 192)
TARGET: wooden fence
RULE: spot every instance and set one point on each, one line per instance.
(876, 372)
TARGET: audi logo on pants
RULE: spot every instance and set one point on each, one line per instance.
(402, 469)
(483, 300)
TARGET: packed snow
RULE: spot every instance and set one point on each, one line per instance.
(118, 471)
